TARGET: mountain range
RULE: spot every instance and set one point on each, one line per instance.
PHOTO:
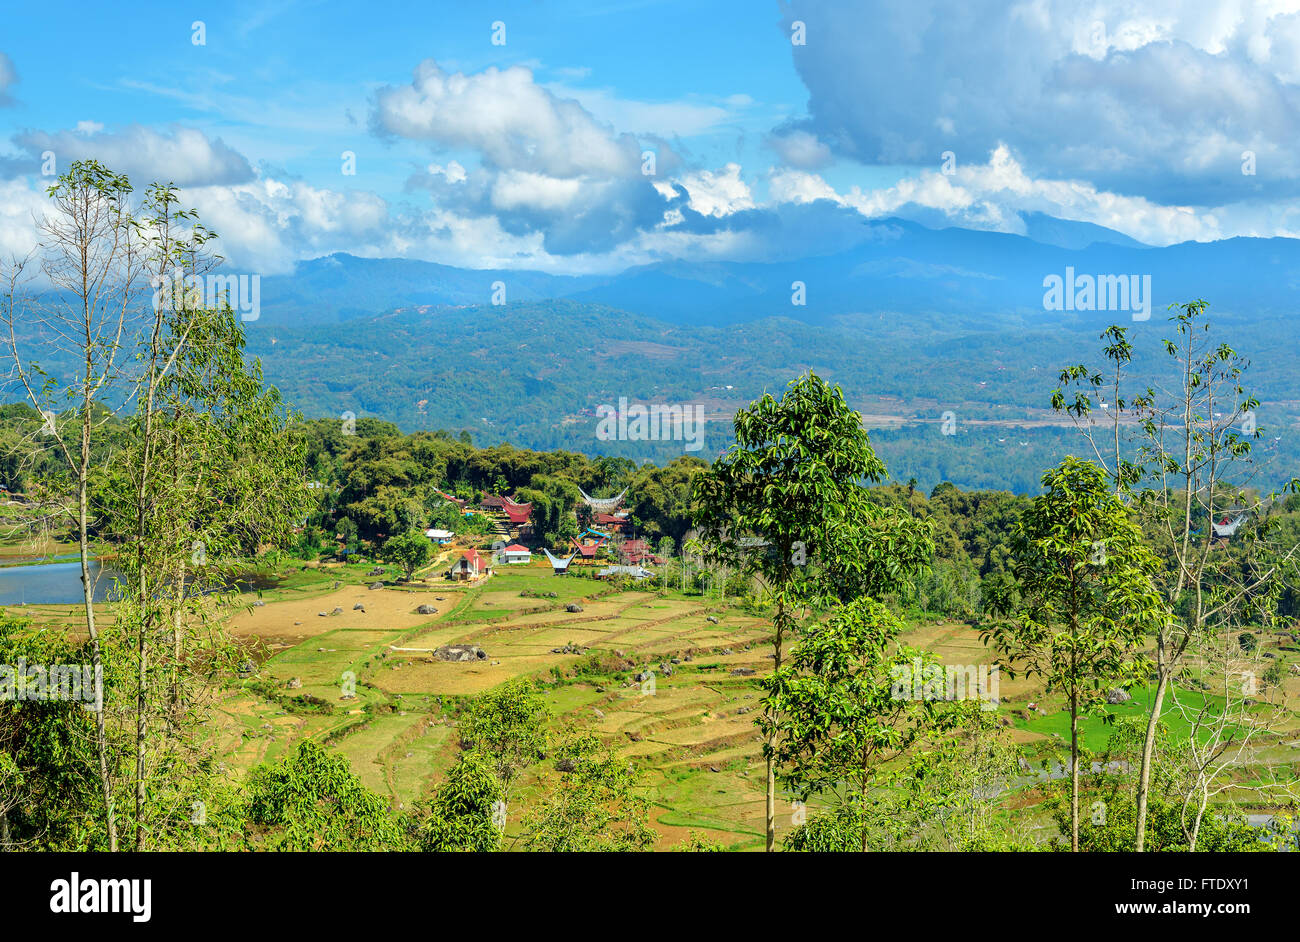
(897, 266)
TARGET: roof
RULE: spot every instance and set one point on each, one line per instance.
(636, 572)
(559, 565)
(520, 513)
(516, 548)
(602, 504)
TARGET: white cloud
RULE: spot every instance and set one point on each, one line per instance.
(717, 192)
(503, 115)
(267, 225)
(1157, 98)
(21, 203)
(993, 194)
(516, 189)
(184, 156)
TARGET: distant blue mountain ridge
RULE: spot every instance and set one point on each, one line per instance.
(972, 278)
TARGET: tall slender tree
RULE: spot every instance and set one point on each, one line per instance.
(91, 255)
(787, 506)
(1085, 597)
(1179, 452)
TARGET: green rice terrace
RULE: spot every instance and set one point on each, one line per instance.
(691, 735)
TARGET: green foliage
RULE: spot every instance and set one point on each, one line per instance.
(1086, 599)
(1111, 825)
(834, 714)
(462, 813)
(595, 807)
(1083, 578)
(834, 708)
(410, 550)
(49, 791)
(838, 830)
(697, 843)
(311, 800)
(508, 726)
(794, 481)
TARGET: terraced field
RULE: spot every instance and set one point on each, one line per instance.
(691, 734)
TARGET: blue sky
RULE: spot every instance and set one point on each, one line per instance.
(1136, 116)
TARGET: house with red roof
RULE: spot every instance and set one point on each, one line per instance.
(586, 550)
(518, 514)
(471, 565)
(515, 554)
(638, 552)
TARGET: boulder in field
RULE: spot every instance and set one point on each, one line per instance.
(358, 607)
(1118, 695)
(294, 683)
(564, 765)
(573, 607)
(460, 653)
(376, 585)
(426, 609)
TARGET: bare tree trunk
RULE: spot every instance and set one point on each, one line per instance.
(1200, 815)
(88, 598)
(1148, 752)
(1074, 769)
(779, 624)
(178, 602)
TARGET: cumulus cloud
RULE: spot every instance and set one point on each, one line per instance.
(1159, 98)
(998, 194)
(184, 156)
(506, 117)
(717, 192)
(545, 165)
(21, 204)
(267, 225)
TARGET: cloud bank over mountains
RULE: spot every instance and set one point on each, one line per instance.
(1166, 121)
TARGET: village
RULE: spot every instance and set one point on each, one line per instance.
(605, 544)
